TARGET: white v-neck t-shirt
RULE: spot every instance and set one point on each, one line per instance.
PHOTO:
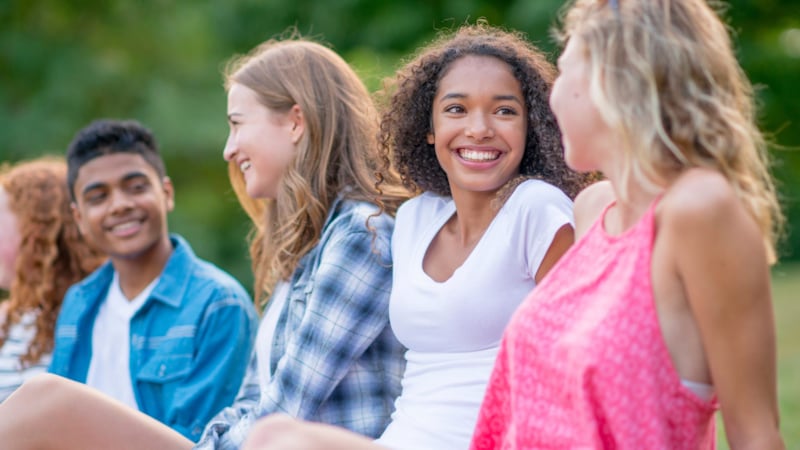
(452, 329)
(109, 368)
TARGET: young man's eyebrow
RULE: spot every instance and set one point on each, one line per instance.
(131, 175)
(101, 184)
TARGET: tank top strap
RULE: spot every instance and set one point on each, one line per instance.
(645, 224)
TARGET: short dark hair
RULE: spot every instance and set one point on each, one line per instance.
(106, 137)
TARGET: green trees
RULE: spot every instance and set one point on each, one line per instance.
(63, 64)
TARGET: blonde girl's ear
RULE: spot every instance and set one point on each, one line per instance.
(297, 119)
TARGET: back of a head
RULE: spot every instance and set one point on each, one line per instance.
(52, 254)
(664, 74)
(106, 137)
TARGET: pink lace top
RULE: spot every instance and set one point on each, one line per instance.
(583, 364)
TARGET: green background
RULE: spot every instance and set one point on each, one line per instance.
(65, 63)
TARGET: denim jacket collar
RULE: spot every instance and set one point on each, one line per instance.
(170, 288)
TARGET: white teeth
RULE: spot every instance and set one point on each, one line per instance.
(244, 166)
(474, 155)
(125, 226)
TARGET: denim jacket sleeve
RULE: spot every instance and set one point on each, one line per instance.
(225, 339)
(345, 311)
(234, 421)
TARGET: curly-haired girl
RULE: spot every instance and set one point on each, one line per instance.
(41, 255)
(468, 124)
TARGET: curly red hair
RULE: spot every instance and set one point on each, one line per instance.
(52, 254)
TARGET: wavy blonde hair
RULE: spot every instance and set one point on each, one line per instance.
(337, 155)
(52, 254)
(665, 74)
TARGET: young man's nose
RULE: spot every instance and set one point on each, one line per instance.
(120, 201)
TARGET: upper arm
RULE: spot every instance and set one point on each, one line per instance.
(722, 264)
(562, 241)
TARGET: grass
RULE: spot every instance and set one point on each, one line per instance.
(786, 297)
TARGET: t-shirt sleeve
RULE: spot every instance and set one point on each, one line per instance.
(544, 209)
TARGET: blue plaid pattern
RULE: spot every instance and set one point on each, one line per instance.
(334, 358)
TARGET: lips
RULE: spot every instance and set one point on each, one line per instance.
(244, 165)
(126, 228)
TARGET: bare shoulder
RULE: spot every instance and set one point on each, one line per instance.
(589, 205)
(704, 223)
(698, 199)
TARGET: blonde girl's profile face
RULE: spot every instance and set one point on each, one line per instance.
(585, 133)
(261, 142)
(10, 242)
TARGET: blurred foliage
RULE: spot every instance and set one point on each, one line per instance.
(64, 63)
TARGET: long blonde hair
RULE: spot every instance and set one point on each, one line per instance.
(337, 155)
(665, 74)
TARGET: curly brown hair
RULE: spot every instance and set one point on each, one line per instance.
(52, 254)
(406, 119)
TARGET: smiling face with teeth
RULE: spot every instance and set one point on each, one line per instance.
(261, 142)
(479, 125)
(121, 206)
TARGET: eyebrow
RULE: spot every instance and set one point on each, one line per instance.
(459, 95)
(233, 114)
(127, 177)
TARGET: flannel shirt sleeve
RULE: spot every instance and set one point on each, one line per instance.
(345, 312)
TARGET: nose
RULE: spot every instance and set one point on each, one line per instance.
(120, 201)
(229, 152)
(479, 127)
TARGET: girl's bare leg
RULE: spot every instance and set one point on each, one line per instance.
(281, 432)
(51, 412)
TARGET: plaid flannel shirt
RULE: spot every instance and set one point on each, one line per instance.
(334, 357)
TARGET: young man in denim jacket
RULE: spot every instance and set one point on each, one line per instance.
(155, 327)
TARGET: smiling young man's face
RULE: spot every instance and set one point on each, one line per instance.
(121, 205)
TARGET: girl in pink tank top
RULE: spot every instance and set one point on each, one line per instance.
(583, 364)
(661, 312)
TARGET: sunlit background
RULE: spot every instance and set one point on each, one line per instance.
(65, 63)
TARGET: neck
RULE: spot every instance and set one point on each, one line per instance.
(633, 197)
(138, 272)
(473, 215)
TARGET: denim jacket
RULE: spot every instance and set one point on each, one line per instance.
(334, 358)
(189, 341)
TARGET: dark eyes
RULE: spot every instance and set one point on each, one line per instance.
(502, 111)
(100, 194)
(95, 197)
